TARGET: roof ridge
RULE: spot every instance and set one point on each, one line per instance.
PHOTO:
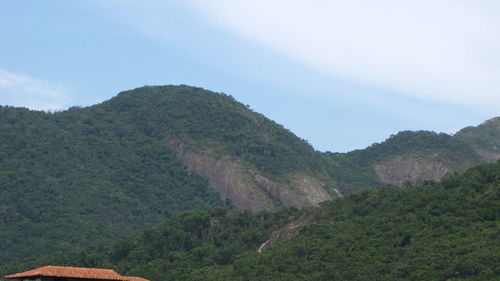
(70, 271)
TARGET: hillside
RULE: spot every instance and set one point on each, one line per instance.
(126, 164)
(131, 162)
(485, 138)
(247, 158)
(416, 156)
(67, 172)
(446, 230)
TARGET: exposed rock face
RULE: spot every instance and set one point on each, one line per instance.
(305, 191)
(249, 190)
(409, 168)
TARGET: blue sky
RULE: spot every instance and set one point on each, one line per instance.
(340, 74)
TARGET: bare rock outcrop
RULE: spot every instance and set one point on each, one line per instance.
(300, 193)
(247, 189)
(399, 170)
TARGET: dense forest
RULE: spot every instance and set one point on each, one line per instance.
(450, 149)
(110, 169)
(60, 175)
(216, 121)
(354, 170)
(446, 230)
(485, 138)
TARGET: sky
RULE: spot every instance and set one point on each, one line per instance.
(340, 74)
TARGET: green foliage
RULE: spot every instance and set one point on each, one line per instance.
(109, 169)
(349, 175)
(76, 178)
(354, 170)
(485, 137)
(436, 231)
(89, 176)
(443, 147)
(216, 122)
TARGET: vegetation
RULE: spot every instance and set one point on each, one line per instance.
(109, 169)
(349, 175)
(79, 170)
(89, 176)
(435, 231)
(216, 122)
(485, 138)
(354, 170)
(421, 143)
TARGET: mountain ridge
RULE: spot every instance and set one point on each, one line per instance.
(417, 156)
(133, 161)
(111, 169)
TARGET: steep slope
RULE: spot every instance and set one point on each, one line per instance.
(249, 159)
(75, 179)
(437, 231)
(129, 163)
(415, 156)
(485, 138)
(249, 190)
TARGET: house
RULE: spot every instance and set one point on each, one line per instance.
(69, 273)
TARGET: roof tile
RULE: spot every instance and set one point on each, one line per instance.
(71, 272)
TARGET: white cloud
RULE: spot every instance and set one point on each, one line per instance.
(22, 90)
(447, 50)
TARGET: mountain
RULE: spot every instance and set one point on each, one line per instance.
(416, 156)
(77, 178)
(247, 158)
(446, 230)
(91, 175)
(484, 139)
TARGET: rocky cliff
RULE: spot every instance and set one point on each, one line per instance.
(416, 156)
(403, 169)
(429, 156)
(249, 190)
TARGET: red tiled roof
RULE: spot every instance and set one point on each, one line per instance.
(134, 278)
(70, 272)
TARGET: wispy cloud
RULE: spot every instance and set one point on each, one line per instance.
(22, 90)
(448, 50)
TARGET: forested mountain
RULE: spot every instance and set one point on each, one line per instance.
(92, 175)
(75, 179)
(247, 158)
(87, 176)
(416, 156)
(484, 139)
(446, 230)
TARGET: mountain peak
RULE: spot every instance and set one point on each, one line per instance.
(491, 121)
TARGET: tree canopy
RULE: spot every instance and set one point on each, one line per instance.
(446, 230)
